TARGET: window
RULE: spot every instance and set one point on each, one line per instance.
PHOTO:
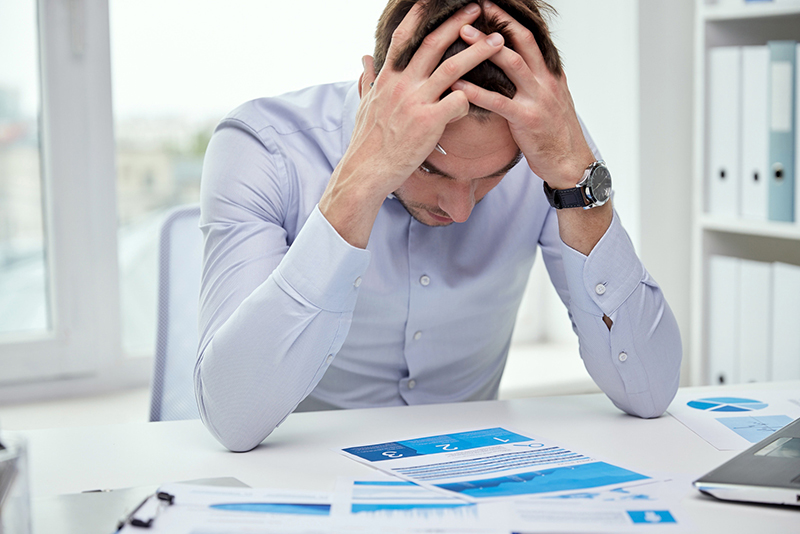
(200, 60)
(23, 273)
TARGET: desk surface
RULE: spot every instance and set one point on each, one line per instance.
(299, 455)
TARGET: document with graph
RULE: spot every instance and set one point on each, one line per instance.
(737, 419)
(491, 463)
(385, 500)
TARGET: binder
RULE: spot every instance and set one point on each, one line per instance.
(783, 59)
(723, 320)
(755, 132)
(797, 136)
(785, 322)
(755, 321)
(724, 121)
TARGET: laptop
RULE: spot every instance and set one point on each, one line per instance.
(768, 472)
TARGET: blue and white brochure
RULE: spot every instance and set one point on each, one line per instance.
(491, 463)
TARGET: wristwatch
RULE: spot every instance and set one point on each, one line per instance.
(593, 190)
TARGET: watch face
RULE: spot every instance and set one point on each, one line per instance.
(600, 184)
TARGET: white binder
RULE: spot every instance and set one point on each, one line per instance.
(755, 132)
(725, 118)
(785, 322)
(797, 141)
(723, 320)
(755, 321)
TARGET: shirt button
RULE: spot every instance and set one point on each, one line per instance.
(600, 289)
(412, 384)
(330, 358)
(417, 336)
(425, 280)
(622, 356)
(357, 283)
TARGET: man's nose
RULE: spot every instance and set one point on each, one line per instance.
(457, 200)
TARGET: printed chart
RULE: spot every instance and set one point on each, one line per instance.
(490, 463)
(736, 421)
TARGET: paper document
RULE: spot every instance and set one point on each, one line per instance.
(216, 510)
(490, 463)
(619, 510)
(739, 418)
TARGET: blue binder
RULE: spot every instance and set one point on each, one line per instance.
(783, 62)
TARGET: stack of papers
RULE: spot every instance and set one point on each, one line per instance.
(480, 481)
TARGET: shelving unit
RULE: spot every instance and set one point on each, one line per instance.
(728, 25)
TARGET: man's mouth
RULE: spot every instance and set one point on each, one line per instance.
(439, 218)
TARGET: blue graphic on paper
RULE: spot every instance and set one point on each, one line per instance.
(651, 516)
(360, 508)
(755, 428)
(727, 404)
(275, 508)
(614, 495)
(592, 475)
(461, 441)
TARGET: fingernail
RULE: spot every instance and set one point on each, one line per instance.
(469, 31)
(495, 39)
(364, 63)
(459, 85)
(471, 9)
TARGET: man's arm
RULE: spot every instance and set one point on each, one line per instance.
(629, 339)
(400, 120)
(272, 316)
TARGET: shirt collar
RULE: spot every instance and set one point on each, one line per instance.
(351, 102)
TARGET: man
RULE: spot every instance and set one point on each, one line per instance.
(368, 244)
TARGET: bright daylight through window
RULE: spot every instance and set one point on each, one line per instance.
(23, 271)
(178, 66)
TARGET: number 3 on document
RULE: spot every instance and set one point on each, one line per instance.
(392, 454)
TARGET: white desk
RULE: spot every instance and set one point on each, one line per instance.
(72, 460)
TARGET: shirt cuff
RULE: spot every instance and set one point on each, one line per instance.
(601, 282)
(324, 268)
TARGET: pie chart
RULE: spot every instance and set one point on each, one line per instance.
(727, 404)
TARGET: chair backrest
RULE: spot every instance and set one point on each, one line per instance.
(179, 271)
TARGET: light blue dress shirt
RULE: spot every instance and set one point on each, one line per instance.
(290, 311)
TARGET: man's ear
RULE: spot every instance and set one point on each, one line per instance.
(360, 83)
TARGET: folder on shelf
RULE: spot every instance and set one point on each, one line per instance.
(724, 118)
(797, 136)
(755, 132)
(782, 66)
(785, 322)
(723, 320)
(755, 320)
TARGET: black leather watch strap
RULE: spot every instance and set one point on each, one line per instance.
(564, 198)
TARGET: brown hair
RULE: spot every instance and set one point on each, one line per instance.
(529, 13)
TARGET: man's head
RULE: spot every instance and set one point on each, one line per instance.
(529, 13)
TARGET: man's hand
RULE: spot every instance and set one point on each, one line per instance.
(400, 120)
(544, 124)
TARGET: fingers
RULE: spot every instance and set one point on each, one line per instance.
(490, 100)
(455, 106)
(522, 39)
(458, 65)
(510, 62)
(403, 33)
(439, 40)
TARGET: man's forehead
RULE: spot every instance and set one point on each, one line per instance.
(475, 139)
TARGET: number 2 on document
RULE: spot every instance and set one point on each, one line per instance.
(447, 447)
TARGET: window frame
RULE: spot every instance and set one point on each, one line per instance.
(83, 343)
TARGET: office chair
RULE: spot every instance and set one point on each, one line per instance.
(179, 270)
